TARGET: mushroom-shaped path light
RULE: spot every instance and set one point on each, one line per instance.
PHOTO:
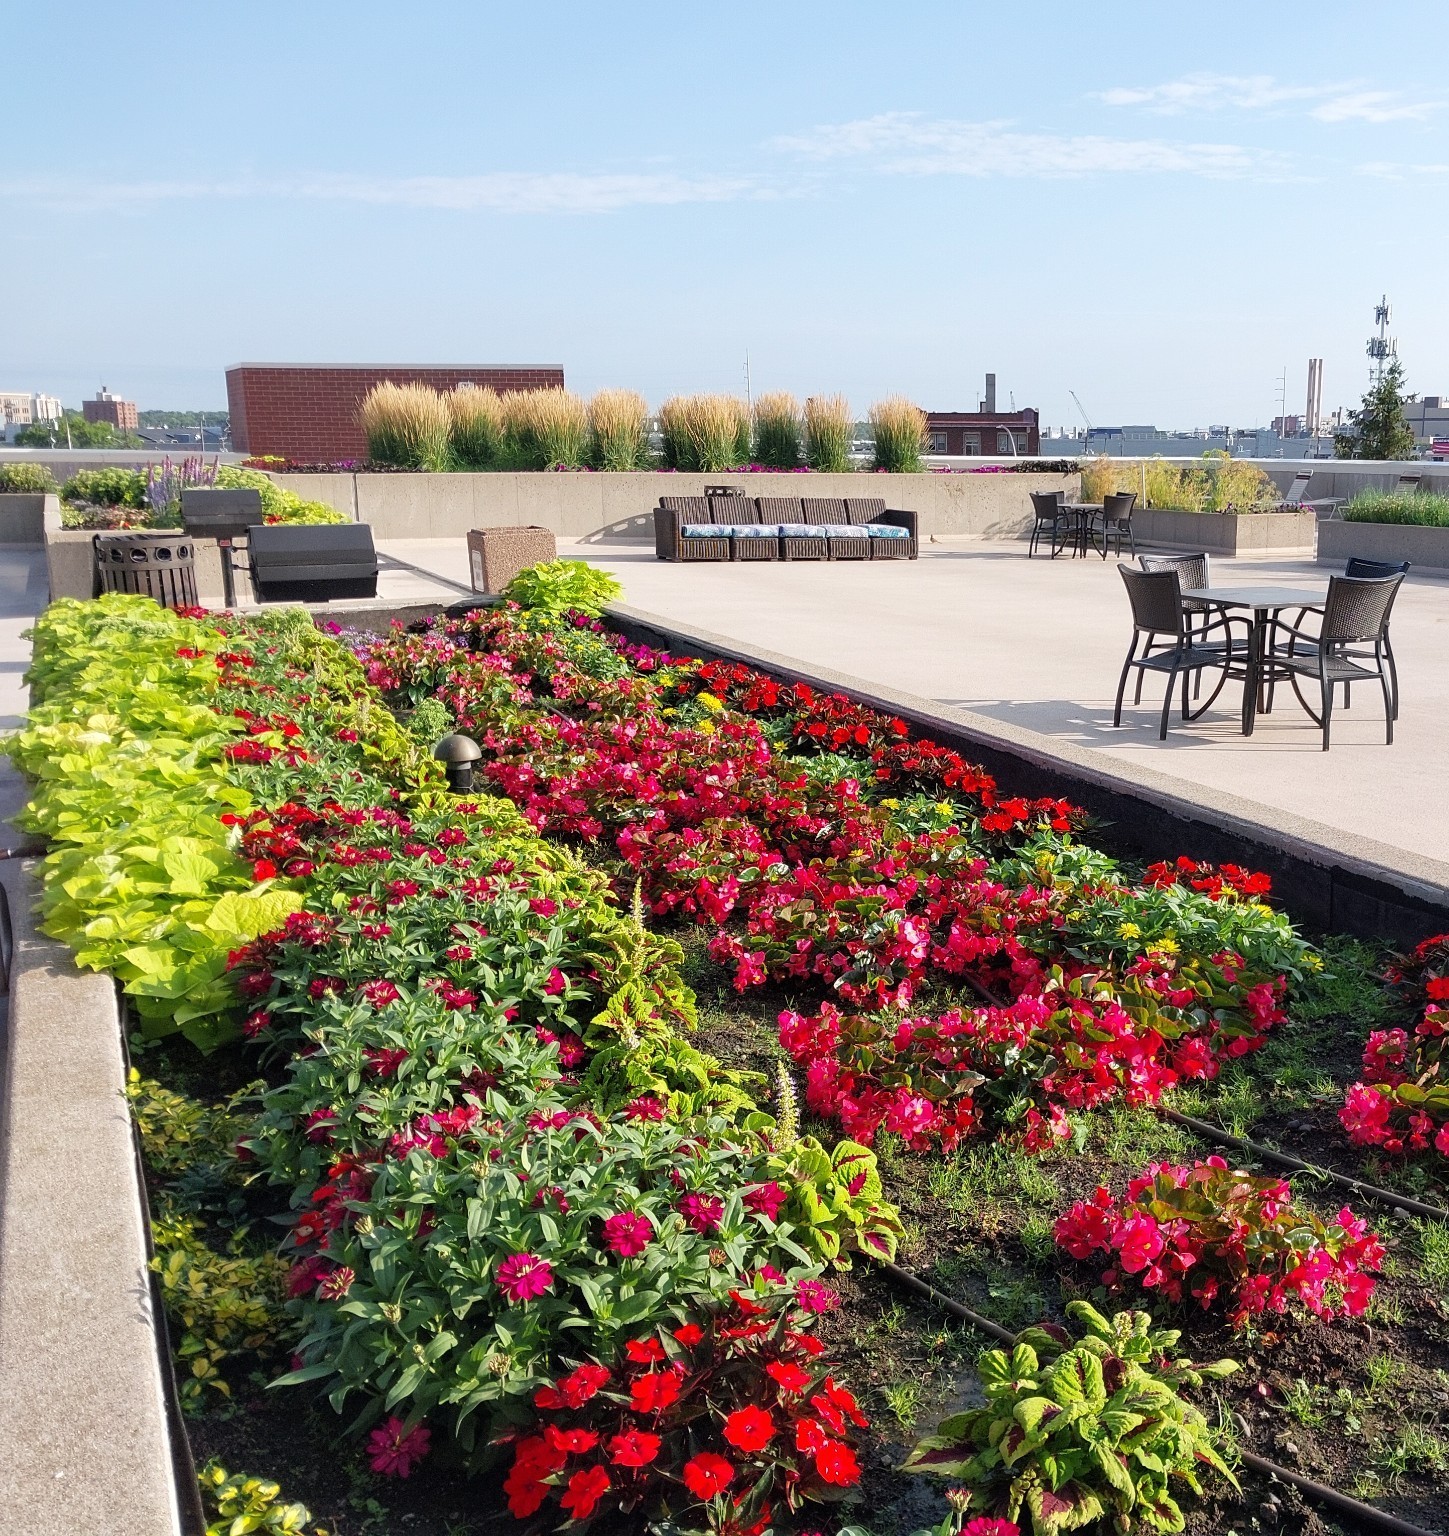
(457, 754)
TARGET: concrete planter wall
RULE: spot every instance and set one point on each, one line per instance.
(1262, 533)
(22, 519)
(70, 559)
(1425, 548)
(582, 506)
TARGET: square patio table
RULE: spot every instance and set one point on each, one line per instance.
(1082, 513)
(1263, 601)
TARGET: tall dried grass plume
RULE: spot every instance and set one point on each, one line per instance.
(829, 427)
(900, 434)
(477, 427)
(778, 430)
(619, 430)
(408, 425)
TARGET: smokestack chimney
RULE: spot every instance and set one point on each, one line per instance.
(1314, 412)
(990, 405)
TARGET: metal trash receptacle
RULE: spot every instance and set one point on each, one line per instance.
(158, 565)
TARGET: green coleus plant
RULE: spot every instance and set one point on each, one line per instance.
(237, 1505)
(1076, 1432)
(556, 586)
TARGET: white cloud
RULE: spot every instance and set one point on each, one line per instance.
(906, 143)
(499, 191)
(1328, 102)
(1393, 170)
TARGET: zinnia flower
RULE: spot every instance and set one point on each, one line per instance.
(393, 1449)
(702, 1212)
(522, 1276)
(628, 1233)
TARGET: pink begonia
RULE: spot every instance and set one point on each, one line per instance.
(523, 1276)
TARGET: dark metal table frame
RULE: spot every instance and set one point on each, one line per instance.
(1263, 601)
(1083, 513)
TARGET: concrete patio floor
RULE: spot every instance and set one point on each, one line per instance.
(1039, 643)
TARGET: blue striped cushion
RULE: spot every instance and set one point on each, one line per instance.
(704, 531)
(843, 530)
(884, 531)
(801, 531)
(757, 531)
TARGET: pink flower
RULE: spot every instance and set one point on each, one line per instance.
(393, 1449)
(1138, 1240)
(766, 1200)
(337, 1284)
(556, 982)
(814, 1296)
(628, 1233)
(702, 1212)
(379, 993)
(522, 1276)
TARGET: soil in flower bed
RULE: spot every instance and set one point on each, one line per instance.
(1360, 1404)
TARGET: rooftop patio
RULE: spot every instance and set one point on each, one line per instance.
(1040, 643)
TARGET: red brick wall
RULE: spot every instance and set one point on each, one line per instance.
(311, 413)
(119, 413)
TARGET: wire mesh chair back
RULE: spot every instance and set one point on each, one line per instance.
(1192, 575)
(1357, 567)
(1156, 598)
(1118, 504)
(1357, 608)
(1047, 503)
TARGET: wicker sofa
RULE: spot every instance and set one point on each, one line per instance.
(736, 527)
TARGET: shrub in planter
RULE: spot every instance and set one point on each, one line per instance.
(407, 425)
(107, 488)
(1073, 1432)
(619, 430)
(249, 1504)
(829, 427)
(25, 480)
(1223, 1236)
(900, 435)
(475, 432)
(777, 431)
(279, 505)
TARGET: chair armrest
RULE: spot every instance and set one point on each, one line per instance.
(899, 517)
(667, 523)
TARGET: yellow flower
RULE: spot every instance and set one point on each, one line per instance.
(1129, 931)
(1313, 962)
(711, 703)
(706, 727)
(1163, 947)
(944, 807)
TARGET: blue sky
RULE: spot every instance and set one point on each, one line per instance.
(1158, 206)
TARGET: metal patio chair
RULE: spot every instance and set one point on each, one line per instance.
(1158, 615)
(1116, 520)
(1356, 613)
(1052, 516)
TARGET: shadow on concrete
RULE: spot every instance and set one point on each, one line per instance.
(631, 529)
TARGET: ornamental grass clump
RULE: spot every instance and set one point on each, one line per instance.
(1073, 1433)
(1223, 1236)
(544, 429)
(619, 430)
(406, 425)
(476, 427)
(900, 435)
(829, 427)
(1423, 508)
(778, 431)
(705, 433)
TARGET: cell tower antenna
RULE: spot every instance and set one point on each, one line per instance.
(1382, 349)
(748, 401)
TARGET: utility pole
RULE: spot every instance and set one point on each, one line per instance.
(749, 402)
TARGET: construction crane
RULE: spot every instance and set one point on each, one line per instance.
(1080, 411)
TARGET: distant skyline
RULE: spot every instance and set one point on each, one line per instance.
(1157, 210)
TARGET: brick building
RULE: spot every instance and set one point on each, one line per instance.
(986, 431)
(110, 408)
(295, 411)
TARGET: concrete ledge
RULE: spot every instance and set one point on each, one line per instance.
(1276, 534)
(1329, 880)
(1427, 549)
(83, 1429)
(22, 519)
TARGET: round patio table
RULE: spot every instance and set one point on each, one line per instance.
(1266, 603)
(1082, 514)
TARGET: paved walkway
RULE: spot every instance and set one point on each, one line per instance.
(24, 591)
(1040, 643)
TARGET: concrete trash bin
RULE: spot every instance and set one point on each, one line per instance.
(159, 565)
(497, 555)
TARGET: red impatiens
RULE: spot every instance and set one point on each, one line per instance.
(707, 1474)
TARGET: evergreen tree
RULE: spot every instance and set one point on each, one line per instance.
(1378, 430)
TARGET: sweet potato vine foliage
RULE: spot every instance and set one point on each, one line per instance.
(825, 847)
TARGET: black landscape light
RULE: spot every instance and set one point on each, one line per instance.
(457, 754)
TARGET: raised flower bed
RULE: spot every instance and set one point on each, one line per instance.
(534, 1231)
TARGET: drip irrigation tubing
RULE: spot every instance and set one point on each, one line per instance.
(1331, 1498)
(1268, 1154)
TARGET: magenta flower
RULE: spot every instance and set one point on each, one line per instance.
(337, 1284)
(766, 1200)
(379, 993)
(702, 1212)
(393, 1449)
(522, 1276)
(813, 1296)
(628, 1233)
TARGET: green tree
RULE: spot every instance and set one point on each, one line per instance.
(1378, 430)
(83, 434)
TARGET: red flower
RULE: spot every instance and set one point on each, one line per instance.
(836, 1463)
(702, 1212)
(655, 1390)
(689, 1335)
(634, 1448)
(628, 1233)
(572, 1442)
(706, 1474)
(573, 1390)
(644, 1351)
(790, 1378)
(749, 1429)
